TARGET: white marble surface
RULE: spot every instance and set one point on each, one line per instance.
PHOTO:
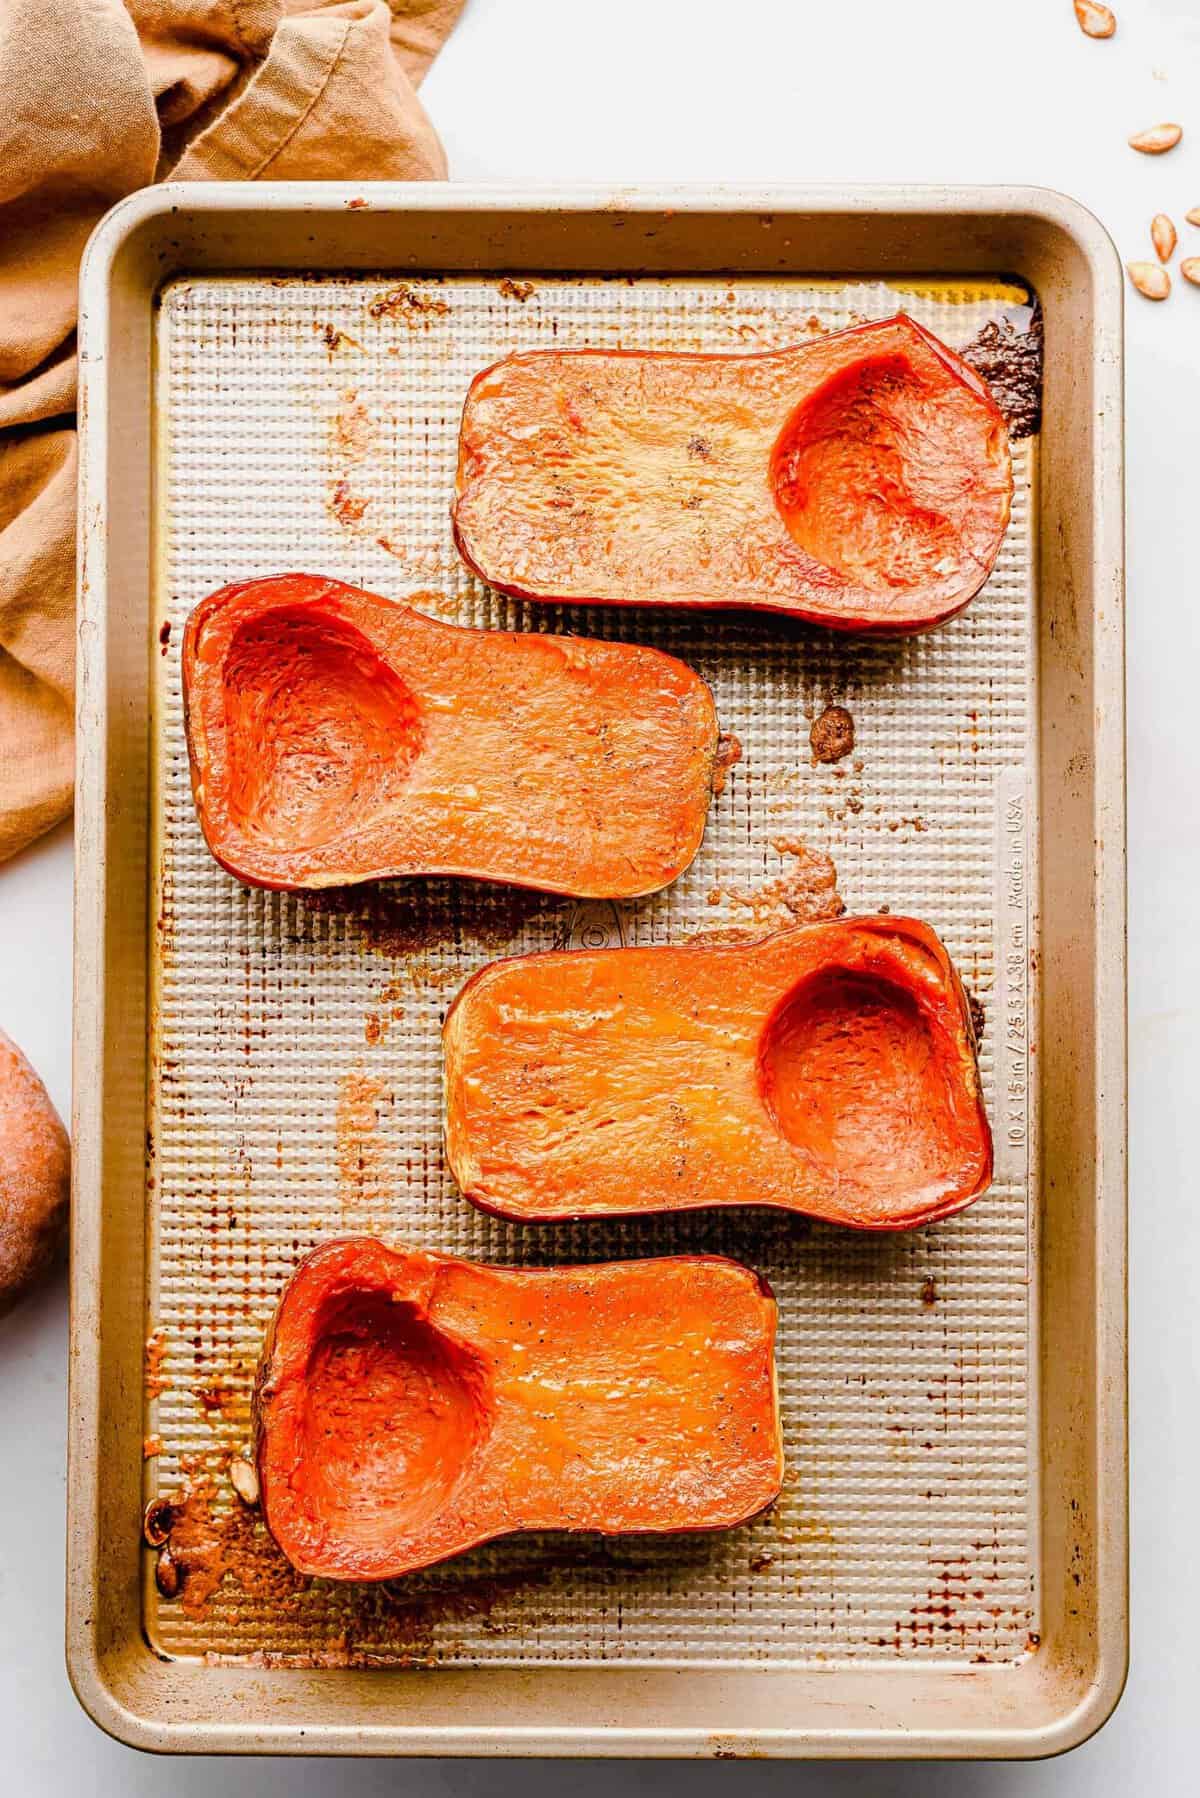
(660, 90)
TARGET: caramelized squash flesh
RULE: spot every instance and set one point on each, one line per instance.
(337, 737)
(827, 1069)
(321, 731)
(862, 481)
(394, 1413)
(409, 1405)
(850, 1071)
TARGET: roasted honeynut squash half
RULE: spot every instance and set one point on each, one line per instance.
(827, 1069)
(861, 481)
(336, 736)
(409, 1405)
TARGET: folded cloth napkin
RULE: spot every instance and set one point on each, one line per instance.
(101, 98)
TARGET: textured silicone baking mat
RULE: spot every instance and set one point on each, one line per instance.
(296, 1080)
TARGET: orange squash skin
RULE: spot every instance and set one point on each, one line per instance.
(409, 1406)
(336, 737)
(861, 481)
(827, 1069)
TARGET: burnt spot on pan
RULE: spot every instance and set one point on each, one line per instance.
(832, 735)
(1007, 352)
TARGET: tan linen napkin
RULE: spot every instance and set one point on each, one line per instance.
(100, 98)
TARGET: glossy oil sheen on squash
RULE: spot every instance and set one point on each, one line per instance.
(410, 1405)
(336, 736)
(861, 481)
(828, 1069)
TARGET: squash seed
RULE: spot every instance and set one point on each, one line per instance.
(1163, 236)
(1189, 268)
(244, 1480)
(1155, 139)
(1095, 20)
(1150, 279)
(158, 1520)
(166, 1573)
